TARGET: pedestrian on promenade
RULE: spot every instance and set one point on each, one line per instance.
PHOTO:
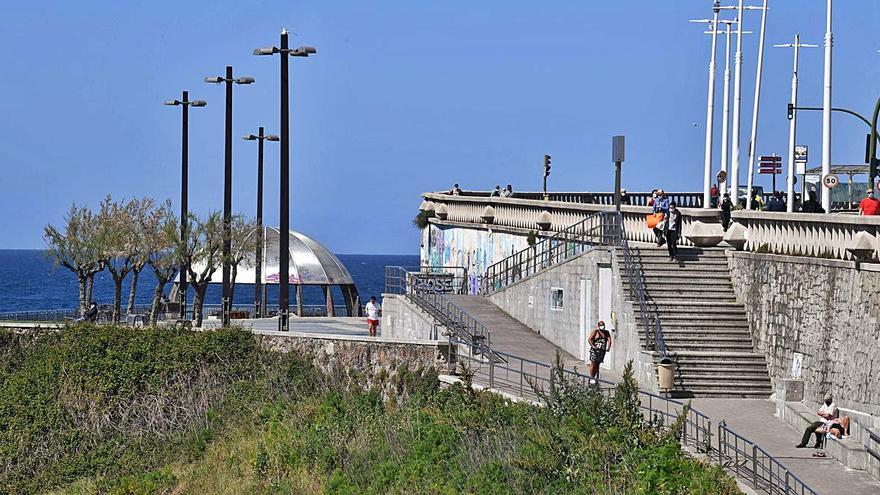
(713, 196)
(624, 198)
(374, 312)
(673, 231)
(661, 205)
(870, 205)
(507, 191)
(653, 198)
(827, 413)
(726, 205)
(496, 192)
(812, 205)
(90, 314)
(455, 191)
(600, 343)
(757, 200)
(776, 203)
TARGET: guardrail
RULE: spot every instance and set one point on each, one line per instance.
(872, 446)
(750, 462)
(683, 199)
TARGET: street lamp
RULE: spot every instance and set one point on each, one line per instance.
(284, 200)
(710, 107)
(259, 288)
(227, 185)
(184, 103)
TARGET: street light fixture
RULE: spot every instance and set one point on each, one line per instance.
(184, 102)
(259, 288)
(284, 182)
(227, 187)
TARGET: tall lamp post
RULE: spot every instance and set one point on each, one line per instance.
(826, 110)
(227, 186)
(184, 103)
(753, 142)
(792, 125)
(725, 113)
(284, 182)
(710, 106)
(259, 288)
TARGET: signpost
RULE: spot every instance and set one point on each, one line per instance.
(770, 165)
(830, 181)
(617, 155)
(801, 152)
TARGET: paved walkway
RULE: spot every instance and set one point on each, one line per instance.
(321, 325)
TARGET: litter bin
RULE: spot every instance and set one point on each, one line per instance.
(665, 372)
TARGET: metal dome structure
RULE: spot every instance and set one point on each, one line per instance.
(310, 264)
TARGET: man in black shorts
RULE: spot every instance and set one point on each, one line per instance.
(600, 343)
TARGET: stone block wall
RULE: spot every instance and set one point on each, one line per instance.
(401, 319)
(825, 313)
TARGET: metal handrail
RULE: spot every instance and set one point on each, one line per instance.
(751, 462)
(873, 437)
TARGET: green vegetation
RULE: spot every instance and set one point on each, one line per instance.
(123, 411)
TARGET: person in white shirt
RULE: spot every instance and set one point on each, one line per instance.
(827, 413)
(507, 191)
(374, 312)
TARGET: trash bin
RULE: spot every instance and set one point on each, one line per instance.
(665, 372)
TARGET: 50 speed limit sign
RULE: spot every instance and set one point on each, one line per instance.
(830, 181)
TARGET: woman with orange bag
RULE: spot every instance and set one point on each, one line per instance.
(661, 206)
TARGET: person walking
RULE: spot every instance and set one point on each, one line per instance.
(455, 191)
(600, 343)
(726, 205)
(776, 203)
(496, 192)
(870, 205)
(374, 312)
(507, 191)
(661, 205)
(713, 196)
(673, 231)
(812, 205)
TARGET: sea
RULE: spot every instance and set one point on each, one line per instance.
(29, 281)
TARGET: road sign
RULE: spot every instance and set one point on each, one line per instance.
(721, 176)
(774, 171)
(830, 181)
(800, 153)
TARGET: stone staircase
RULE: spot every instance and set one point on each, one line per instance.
(704, 327)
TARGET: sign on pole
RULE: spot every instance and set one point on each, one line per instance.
(770, 165)
(830, 181)
(800, 159)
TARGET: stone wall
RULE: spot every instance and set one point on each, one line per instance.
(825, 313)
(528, 301)
(401, 319)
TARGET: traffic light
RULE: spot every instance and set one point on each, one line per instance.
(546, 165)
(875, 164)
(790, 111)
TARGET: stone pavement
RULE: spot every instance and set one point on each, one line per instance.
(345, 326)
(755, 419)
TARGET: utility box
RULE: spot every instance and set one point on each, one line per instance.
(617, 149)
(666, 374)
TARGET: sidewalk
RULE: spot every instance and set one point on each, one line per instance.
(755, 420)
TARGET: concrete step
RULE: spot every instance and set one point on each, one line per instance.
(722, 383)
(702, 321)
(678, 307)
(672, 272)
(709, 332)
(701, 371)
(684, 339)
(684, 267)
(709, 346)
(715, 393)
(697, 303)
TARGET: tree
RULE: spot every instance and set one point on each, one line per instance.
(164, 250)
(120, 246)
(203, 252)
(142, 210)
(78, 247)
(243, 244)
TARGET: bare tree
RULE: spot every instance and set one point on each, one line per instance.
(243, 245)
(78, 247)
(203, 251)
(163, 248)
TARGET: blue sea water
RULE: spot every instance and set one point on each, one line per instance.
(29, 281)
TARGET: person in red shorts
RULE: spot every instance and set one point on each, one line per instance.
(374, 312)
(870, 205)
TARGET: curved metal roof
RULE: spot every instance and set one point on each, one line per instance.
(310, 263)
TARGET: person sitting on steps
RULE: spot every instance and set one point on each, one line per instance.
(828, 412)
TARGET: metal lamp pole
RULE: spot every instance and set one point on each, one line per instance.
(826, 110)
(284, 200)
(753, 142)
(737, 103)
(259, 288)
(725, 124)
(792, 125)
(710, 106)
(227, 186)
(184, 103)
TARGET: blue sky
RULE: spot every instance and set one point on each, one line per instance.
(402, 97)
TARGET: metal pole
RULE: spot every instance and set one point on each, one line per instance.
(184, 199)
(792, 126)
(826, 112)
(737, 103)
(753, 142)
(872, 148)
(227, 200)
(284, 199)
(726, 111)
(710, 117)
(259, 303)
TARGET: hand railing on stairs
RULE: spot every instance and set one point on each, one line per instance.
(549, 251)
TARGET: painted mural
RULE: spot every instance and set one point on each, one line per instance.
(472, 249)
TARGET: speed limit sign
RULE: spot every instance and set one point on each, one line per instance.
(830, 181)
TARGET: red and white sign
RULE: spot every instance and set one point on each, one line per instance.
(830, 181)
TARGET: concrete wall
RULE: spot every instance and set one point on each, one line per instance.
(823, 312)
(401, 319)
(529, 302)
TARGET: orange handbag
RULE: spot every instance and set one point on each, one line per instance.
(653, 219)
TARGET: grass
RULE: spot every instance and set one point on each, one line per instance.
(122, 411)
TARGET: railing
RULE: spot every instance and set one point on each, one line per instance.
(750, 462)
(683, 199)
(872, 446)
(552, 250)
